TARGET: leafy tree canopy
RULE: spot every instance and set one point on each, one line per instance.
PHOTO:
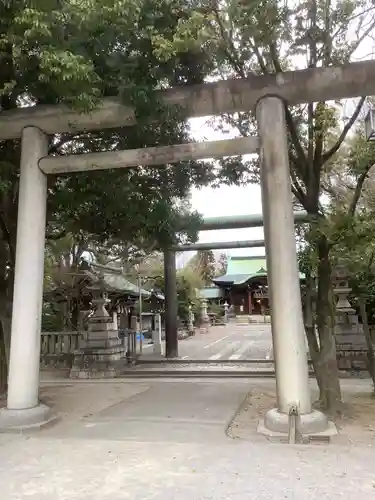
(76, 52)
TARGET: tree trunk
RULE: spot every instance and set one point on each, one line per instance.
(5, 329)
(370, 346)
(74, 314)
(309, 320)
(326, 365)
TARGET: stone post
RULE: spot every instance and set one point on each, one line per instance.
(132, 340)
(170, 281)
(23, 407)
(115, 319)
(156, 335)
(226, 309)
(292, 382)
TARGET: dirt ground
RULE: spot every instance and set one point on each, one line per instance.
(356, 425)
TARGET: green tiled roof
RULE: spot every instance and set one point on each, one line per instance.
(242, 269)
(235, 279)
(247, 265)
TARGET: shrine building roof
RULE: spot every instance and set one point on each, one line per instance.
(240, 270)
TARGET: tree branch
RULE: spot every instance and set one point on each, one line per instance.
(54, 147)
(231, 49)
(358, 190)
(296, 186)
(258, 55)
(326, 156)
(302, 159)
(56, 236)
(8, 238)
(361, 38)
(327, 46)
(301, 156)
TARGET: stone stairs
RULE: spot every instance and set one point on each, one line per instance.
(243, 319)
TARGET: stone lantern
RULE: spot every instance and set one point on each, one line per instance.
(102, 354)
(346, 320)
(350, 340)
(190, 321)
(205, 319)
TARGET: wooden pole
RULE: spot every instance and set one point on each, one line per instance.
(170, 285)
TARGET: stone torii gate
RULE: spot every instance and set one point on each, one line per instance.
(267, 95)
(209, 224)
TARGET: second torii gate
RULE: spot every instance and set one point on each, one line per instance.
(267, 95)
(209, 224)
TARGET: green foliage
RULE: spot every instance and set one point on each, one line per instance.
(203, 264)
(215, 309)
(76, 52)
(221, 265)
(262, 37)
(189, 282)
(64, 282)
(188, 285)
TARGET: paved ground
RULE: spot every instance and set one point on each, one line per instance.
(164, 440)
(232, 342)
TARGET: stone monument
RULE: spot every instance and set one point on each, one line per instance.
(102, 353)
(351, 349)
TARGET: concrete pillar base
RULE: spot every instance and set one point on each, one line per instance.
(23, 420)
(312, 425)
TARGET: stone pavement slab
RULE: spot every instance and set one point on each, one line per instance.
(165, 440)
(161, 412)
(53, 469)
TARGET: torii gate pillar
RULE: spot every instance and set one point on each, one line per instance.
(292, 381)
(23, 408)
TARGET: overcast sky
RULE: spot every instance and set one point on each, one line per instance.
(223, 201)
(226, 200)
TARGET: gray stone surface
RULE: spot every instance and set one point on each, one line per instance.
(230, 342)
(108, 470)
(30, 418)
(171, 411)
(167, 441)
(311, 423)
